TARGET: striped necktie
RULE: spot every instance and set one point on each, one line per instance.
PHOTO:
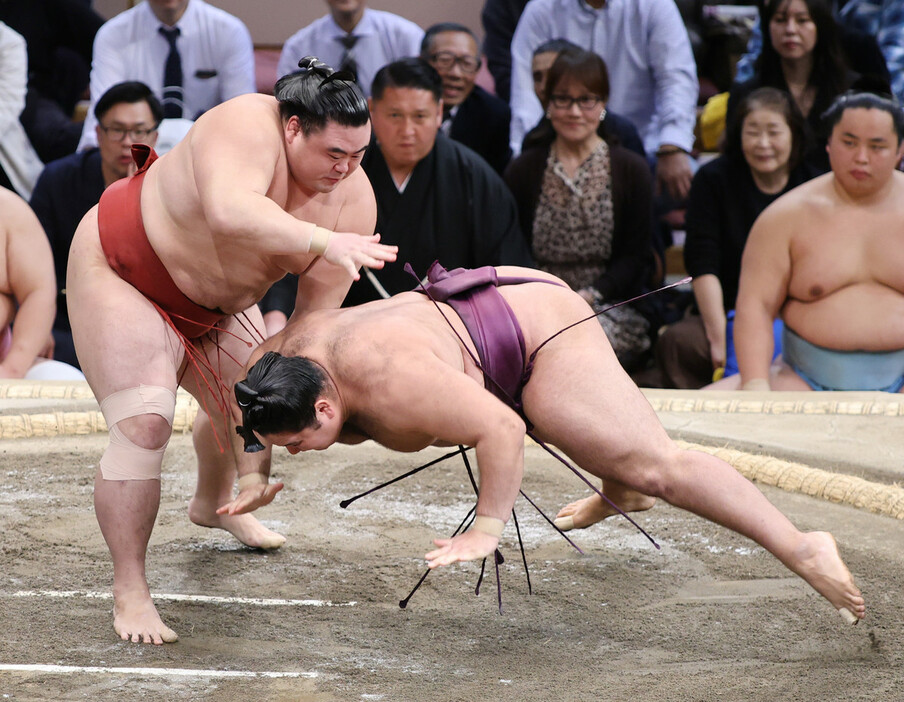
(172, 75)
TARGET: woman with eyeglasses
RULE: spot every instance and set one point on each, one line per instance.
(585, 205)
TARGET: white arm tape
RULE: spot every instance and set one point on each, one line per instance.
(252, 479)
(489, 525)
(320, 239)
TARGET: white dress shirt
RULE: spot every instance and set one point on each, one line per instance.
(17, 157)
(383, 38)
(215, 47)
(652, 74)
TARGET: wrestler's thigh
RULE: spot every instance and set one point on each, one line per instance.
(120, 338)
(225, 353)
(581, 400)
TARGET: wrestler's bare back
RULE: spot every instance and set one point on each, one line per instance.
(846, 283)
(221, 270)
(410, 323)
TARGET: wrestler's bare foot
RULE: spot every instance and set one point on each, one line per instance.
(587, 512)
(818, 562)
(245, 527)
(135, 617)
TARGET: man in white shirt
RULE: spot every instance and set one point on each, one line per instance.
(215, 49)
(353, 37)
(19, 164)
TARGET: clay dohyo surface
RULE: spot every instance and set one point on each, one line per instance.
(711, 616)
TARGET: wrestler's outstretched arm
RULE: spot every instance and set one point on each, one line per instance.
(762, 290)
(235, 170)
(418, 394)
(322, 285)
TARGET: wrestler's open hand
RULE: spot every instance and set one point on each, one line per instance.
(251, 498)
(351, 251)
(464, 547)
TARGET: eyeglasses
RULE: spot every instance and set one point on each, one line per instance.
(119, 133)
(446, 60)
(564, 102)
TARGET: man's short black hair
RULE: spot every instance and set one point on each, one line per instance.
(129, 92)
(316, 95)
(412, 72)
(439, 28)
(278, 396)
(866, 101)
(555, 45)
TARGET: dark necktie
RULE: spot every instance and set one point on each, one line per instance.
(172, 75)
(348, 63)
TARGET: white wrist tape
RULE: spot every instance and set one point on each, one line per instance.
(252, 479)
(320, 238)
(489, 525)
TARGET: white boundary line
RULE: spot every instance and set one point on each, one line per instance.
(261, 602)
(165, 672)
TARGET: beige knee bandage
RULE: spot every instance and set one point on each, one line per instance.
(123, 459)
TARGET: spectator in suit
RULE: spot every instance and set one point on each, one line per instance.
(471, 115)
(215, 61)
(127, 113)
(353, 38)
(499, 19)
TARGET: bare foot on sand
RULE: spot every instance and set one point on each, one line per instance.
(245, 527)
(818, 562)
(135, 618)
(593, 509)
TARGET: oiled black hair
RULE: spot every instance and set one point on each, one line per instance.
(316, 94)
(278, 396)
(866, 101)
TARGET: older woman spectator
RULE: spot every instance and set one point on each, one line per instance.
(763, 160)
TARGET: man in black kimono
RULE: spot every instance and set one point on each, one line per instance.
(436, 199)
